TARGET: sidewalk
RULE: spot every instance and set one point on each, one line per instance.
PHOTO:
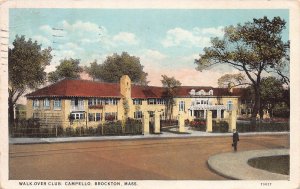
(235, 165)
(132, 137)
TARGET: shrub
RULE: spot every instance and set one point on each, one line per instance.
(70, 131)
(198, 124)
(262, 126)
(112, 129)
(133, 126)
(220, 127)
(99, 130)
(60, 131)
(91, 131)
(79, 131)
(168, 122)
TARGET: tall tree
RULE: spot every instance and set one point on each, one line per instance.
(232, 79)
(171, 86)
(115, 66)
(26, 64)
(93, 70)
(67, 69)
(272, 93)
(252, 48)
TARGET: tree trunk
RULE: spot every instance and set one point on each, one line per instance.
(256, 106)
(11, 114)
(169, 108)
(261, 112)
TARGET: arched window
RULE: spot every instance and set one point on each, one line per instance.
(211, 92)
(181, 106)
(229, 105)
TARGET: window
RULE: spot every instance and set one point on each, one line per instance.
(91, 117)
(79, 115)
(111, 101)
(46, 103)
(35, 104)
(181, 106)
(151, 101)
(138, 115)
(77, 102)
(229, 105)
(110, 116)
(81, 102)
(91, 102)
(211, 92)
(137, 101)
(98, 116)
(160, 101)
(94, 116)
(100, 101)
(204, 101)
(57, 104)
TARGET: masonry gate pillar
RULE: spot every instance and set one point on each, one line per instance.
(181, 123)
(209, 121)
(156, 122)
(146, 123)
(232, 121)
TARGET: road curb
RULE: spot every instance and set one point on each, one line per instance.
(134, 137)
(235, 165)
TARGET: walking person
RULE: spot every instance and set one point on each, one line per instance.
(235, 139)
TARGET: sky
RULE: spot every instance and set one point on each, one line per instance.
(166, 40)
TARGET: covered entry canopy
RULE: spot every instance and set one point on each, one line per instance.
(199, 110)
(207, 107)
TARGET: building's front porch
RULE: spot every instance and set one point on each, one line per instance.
(200, 111)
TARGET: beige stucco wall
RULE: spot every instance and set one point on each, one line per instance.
(29, 110)
(47, 116)
(119, 109)
(187, 102)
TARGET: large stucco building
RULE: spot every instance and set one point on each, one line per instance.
(88, 103)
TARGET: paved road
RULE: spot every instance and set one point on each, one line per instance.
(148, 159)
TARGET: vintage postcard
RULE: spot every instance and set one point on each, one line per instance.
(149, 94)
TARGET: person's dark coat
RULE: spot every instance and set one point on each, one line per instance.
(235, 139)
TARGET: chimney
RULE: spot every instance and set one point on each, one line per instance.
(230, 87)
(125, 86)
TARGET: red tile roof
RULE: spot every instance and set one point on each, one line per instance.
(85, 88)
(146, 92)
(78, 88)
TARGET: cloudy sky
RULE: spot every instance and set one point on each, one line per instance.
(167, 41)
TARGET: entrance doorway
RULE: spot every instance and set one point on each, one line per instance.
(199, 113)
